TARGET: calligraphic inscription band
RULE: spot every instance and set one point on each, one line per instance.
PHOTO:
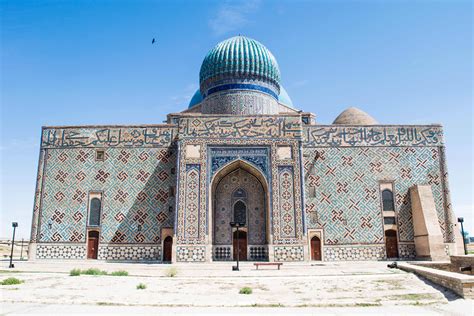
(238, 127)
(353, 136)
(147, 136)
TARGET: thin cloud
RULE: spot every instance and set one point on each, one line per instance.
(185, 96)
(233, 15)
(300, 83)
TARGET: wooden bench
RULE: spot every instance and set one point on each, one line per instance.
(257, 264)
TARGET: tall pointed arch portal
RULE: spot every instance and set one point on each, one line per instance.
(239, 192)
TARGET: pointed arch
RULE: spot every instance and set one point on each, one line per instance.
(220, 175)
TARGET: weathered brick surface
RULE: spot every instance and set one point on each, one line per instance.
(463, 285)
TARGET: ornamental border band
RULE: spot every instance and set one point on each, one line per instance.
(243, 153)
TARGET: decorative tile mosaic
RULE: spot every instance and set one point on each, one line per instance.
(240, 102)
(191, 253)
(288, 253)
(407, 251)
(192, 205)
(356, 136)
(60, 251)
(135, 190)
(38, 197)
(224, 127)
(254, 200)
(108, 136)
(257, 157)
(354, 253)
(286, 197)
(130, 252)
(258, 253)
(342, 190)
(222, 253)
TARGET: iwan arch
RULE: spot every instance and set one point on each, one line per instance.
(351, 190)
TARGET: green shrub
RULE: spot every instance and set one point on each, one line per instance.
(75, 272)
(93, 271)
(141, 286)
(171, 272)
(245, 290)
(11, 281)
(119, 273)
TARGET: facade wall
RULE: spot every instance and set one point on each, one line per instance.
(344, 167)
(319, 178)
(134, 181)
(208, 144)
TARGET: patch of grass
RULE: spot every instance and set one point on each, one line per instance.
(171, 272)
(141, 286)
(268, 305)
(75, 272)
(106, 304)
(119, 273)
(367, 304)
(93, 271)
(414, 296)
(245, 290)
(11, 281)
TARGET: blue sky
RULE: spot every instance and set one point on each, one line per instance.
(92, 62)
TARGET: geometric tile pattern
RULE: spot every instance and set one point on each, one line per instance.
(354, 253)
(407, 251)
(107, 137)
(255, 208)
(135, 185)
(38, 196)
(247, 102)
(257, 157)
(288, 253)
(342, 190)
(192, 201)
(235, 127)
(130, 252)
(191, 253)
(63, 251)
(373, 136)
(286, 204)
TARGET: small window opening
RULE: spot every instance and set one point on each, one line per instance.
(387, 200)
(100, 155)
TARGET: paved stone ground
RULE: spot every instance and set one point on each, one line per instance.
(328, 288)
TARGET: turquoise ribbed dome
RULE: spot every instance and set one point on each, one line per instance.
(239, 57)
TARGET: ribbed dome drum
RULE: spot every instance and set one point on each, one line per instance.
(239, 57)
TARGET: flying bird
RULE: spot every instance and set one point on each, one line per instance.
(153, 41)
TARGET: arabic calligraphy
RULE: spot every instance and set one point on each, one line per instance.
(331, 136)
(257, 127)
(107, 137)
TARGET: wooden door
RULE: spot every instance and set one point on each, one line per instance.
(241, 239)
(391, 243)
(92, 245)
(167, 249)
(315, 248)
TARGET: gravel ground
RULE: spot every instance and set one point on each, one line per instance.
(355, 286)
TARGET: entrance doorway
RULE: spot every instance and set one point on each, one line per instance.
(92, 244)
(316, 248)
(391, 243)
(167, 249)
(240, 238)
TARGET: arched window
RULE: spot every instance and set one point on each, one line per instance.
(94, 212)
(387, 200)
(240, 212)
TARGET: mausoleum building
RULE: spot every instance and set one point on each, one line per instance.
(242, 153)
